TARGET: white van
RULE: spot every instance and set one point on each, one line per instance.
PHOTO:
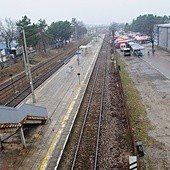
(127, 52)
(122, 46)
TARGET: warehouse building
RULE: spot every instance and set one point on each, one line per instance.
(163, 36)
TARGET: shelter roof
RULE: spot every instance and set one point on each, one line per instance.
(164, 25)
(140, 38)
(17, 115)
(85, 46)
(137, 46)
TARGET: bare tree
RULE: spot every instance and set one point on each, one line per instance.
(8, 31)
(80, 28)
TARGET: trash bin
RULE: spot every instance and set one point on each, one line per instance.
(139, 148)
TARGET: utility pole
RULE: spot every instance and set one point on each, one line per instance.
(75, 29)
(77, 43)
(25, 63)
(76, 38)
(28, 68)
(113, 34)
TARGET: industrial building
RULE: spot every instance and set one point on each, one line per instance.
(163, 36)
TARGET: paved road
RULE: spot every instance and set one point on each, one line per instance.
(154, 89)
(160, 60)
(61, 94)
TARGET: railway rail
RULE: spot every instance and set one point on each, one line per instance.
(12, 93)
(93, 118)
(104, 141)
(43, 142)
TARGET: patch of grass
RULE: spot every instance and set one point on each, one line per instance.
(36, 59)
(138, 115)
(137, 111)
(13, 69)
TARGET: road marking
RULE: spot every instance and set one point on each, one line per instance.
(54, 141)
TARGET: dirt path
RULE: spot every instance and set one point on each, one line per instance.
(154, 89)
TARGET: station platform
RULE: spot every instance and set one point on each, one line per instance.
(13, 118)
(61, 94)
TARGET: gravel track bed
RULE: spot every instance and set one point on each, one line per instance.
(115, 142)
(86, 153)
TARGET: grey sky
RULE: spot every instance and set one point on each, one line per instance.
(88, 11)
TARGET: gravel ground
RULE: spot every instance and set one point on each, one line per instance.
(115, 142)
(154, 89)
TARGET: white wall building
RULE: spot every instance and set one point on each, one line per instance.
(163, 36)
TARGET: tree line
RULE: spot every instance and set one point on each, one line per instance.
(39, 35)
(143, 24)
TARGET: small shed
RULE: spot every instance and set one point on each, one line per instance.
(86, 49)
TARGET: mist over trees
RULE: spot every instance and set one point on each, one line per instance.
(145, 23)
(114, 26)
(39, 35)
(31, 31)
(60, 31)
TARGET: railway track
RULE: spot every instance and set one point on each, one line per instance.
(12, 93)
(86, 155)
(104, 141)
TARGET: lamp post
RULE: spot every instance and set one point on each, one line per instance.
(78, 74)
(28, 68)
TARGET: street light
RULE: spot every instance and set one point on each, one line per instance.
(78, 74)
(28, 67)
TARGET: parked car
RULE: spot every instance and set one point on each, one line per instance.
(138, 53)
(127, 52)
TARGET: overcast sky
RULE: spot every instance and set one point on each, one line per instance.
(95, 12)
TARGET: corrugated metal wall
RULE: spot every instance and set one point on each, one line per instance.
(168, 38)
(164, 37)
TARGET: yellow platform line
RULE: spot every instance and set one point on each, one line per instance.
(53, 143)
